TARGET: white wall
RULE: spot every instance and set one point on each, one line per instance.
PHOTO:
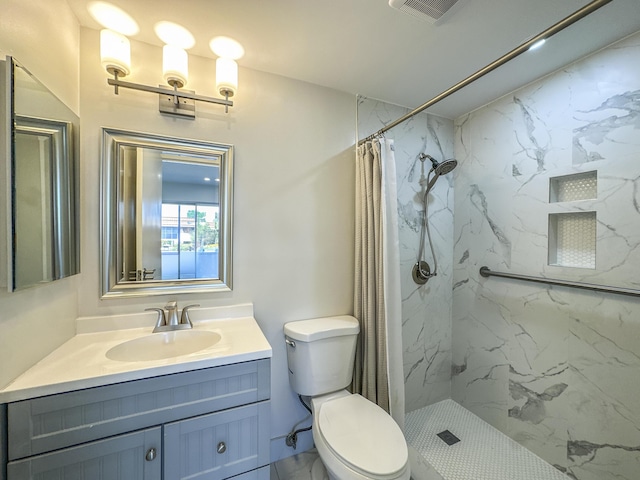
(294, 190)
(44, 37)
(35, 321)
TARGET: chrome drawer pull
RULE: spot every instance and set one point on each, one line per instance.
(151, 455)
(221, 447)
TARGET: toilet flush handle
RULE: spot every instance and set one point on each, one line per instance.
(289, 342)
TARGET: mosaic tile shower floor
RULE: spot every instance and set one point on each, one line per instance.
(483, 453)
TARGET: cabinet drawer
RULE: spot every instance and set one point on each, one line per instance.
(118, 458)
(219, 445)
(48, 423)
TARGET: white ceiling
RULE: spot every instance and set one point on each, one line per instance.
(367, 47)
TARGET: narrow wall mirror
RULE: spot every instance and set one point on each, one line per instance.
(43, 233)
(166, 215)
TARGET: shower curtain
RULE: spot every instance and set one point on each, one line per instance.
(378, 372)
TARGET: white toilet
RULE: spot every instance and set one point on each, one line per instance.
(355, 438)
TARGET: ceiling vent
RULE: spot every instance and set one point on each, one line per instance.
(430, 10)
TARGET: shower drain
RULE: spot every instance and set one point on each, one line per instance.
(448, 437)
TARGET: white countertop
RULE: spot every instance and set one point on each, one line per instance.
(81, 362)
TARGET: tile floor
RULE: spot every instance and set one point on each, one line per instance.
(482, 452)
(297, 467)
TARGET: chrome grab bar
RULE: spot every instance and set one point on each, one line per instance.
(486, 272)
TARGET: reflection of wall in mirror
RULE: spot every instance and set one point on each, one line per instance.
(4, 199)
(149, 213)
(32, 99)
(178, 193)
(141, 212)
(33, 214)
(127, 207)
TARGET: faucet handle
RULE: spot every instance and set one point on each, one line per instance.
(184, 318)
(171, 305)
(161, 320)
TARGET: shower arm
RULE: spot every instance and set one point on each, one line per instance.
(434, 163)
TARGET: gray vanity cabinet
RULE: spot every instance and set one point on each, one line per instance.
(208, 424)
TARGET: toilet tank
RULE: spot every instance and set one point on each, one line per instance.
(320, 353)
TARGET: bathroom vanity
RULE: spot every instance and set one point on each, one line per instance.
(204, 414)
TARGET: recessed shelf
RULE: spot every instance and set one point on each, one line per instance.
(572, 239)
(575, 187)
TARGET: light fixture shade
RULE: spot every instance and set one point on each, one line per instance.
(115, 52)
(226, 76)
(175, 66)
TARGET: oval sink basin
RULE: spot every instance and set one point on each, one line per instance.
(158, 346)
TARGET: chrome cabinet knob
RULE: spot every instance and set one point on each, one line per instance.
(221, 447)
(151, 455)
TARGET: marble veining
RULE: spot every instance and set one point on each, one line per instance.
(537, 146)
(556, 369)
(625, 112)
(479, 201)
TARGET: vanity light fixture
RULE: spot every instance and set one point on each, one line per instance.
(228, 51)
(116, 59)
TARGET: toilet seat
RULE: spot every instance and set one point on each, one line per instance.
(363, 436)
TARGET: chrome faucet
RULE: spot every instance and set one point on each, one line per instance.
(172, 313)
(168, 317)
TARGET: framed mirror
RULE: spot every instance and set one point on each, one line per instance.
(44, 146)
(166, 213)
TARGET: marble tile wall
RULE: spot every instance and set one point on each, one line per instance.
(426, 310)
(555, 368)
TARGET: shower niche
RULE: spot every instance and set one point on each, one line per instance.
(573, 188)
(572, 235)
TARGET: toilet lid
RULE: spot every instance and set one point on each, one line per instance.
(363, 435)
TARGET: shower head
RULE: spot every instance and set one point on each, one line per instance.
(440, 168)
(444, 167)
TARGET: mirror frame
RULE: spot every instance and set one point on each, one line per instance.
(110, 224)
(64, 251)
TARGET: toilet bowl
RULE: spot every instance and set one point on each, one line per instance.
(355, 438)
(358, 440)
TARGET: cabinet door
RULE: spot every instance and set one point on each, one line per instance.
(125, 457)
(219, 445)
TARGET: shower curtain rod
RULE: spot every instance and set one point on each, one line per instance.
(486, 272)
(561, 25)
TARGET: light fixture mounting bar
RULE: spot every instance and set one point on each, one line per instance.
(177, 94)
